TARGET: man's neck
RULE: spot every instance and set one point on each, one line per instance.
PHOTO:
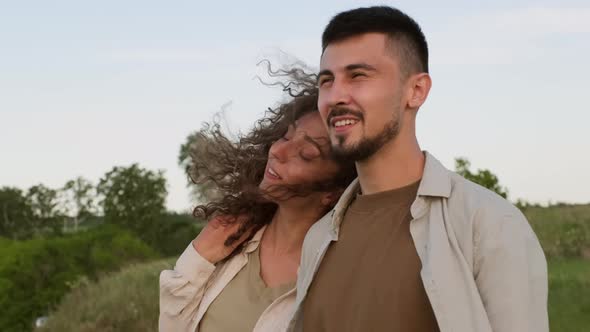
(398, 163)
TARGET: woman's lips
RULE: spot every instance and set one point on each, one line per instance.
(271, 173)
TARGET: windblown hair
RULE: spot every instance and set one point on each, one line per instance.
(233, 169)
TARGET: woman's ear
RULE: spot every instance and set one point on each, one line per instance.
(329, 199)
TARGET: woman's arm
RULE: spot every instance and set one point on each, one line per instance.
(182, 289)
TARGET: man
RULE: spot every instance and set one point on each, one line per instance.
(410, 246)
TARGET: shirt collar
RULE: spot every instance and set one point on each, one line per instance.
(254, 242)
(436, 182)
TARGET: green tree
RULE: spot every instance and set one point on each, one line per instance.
(16, 215)
(78, 200)
(44, 202)
(482, 177)
(134, 198)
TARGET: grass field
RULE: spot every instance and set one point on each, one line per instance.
(563, 230)
(569, 295)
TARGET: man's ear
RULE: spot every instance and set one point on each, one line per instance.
(329, 199)
(418, 88)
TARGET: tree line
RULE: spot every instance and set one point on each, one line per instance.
(129, 196)
(132, 197)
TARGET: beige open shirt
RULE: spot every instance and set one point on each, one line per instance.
(482, 266)
(187, 291)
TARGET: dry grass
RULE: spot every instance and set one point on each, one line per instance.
(124, 301)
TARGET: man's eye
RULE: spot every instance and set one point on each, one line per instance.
(355, 75)
(324, 81)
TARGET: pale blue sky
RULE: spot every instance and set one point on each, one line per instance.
(85, 86)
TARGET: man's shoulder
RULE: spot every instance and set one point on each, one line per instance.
(319, 230)
(478, 202)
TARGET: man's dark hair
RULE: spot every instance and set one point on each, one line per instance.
(401, 29)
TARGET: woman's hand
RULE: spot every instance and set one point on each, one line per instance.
(210, 242)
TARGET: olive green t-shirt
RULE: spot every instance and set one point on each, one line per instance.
(239, 306)
(369, 280)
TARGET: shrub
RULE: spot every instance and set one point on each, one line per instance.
(36, 274)
(173, 233)
(124, 301)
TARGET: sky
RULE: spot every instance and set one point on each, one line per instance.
(86, 86)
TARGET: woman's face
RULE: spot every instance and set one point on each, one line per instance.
(301, 156)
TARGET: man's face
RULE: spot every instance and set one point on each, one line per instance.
(360, 95)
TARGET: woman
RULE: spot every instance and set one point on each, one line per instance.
(239, 273)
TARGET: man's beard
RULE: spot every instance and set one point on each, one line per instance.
(367, 146)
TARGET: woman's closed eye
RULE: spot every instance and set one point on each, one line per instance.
(309, 153)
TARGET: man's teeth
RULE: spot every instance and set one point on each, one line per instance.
(341, 123)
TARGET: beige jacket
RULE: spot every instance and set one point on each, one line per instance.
(187, 291)
(482, 266)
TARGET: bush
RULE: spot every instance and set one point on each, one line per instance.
(172, 233)
(124, 301)
(36, 274)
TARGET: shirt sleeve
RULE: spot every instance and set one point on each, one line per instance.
(510, 271)
(182, 289)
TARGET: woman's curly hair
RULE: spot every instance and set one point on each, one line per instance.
(233, 169)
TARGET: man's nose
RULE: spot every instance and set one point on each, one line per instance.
(338, 94)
